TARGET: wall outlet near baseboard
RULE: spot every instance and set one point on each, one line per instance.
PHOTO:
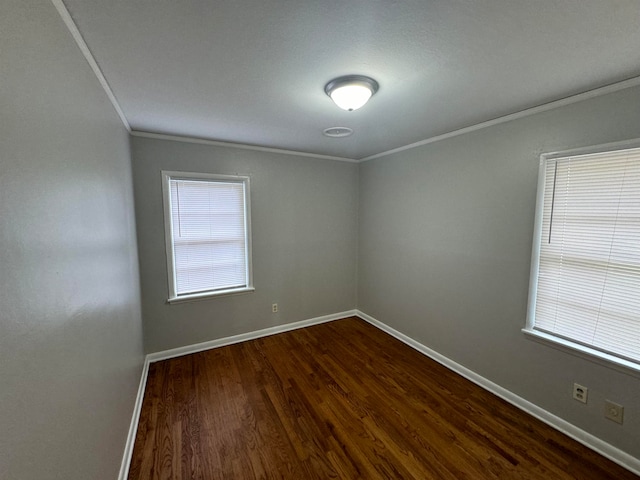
(580, 393)
(274, 308)
(613, 411)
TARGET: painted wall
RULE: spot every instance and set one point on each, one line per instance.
(70, 326)
(445, 236)
(304, 233)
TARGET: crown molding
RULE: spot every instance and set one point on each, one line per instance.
(77, 36)
(82, 45)
(204, 141)
(596, 92)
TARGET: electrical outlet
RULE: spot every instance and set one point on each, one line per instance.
(580, 393)
(274, 308)
(613, 411)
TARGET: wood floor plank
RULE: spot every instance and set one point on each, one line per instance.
(340, 400)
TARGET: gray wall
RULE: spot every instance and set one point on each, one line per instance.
(445, 239)
(304, 233)
(443, 254)
(70, 327)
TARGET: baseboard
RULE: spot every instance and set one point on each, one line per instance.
(603, 448)
(133, 428)
(243, 337)
(591, 441)
(199, 347)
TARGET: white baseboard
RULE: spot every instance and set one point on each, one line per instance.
(199, 347)
(603, 448)
(243, 337)
(591, 441)
(133, 428)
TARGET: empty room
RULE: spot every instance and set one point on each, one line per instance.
(326, 239)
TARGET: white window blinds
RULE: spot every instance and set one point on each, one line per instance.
(588, 282)
(208, 235)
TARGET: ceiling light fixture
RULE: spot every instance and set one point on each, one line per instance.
(351, 92)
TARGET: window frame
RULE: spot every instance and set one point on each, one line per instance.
(562, 343)
(167, 177)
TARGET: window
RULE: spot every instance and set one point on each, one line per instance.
(207, 228)
(585, 279)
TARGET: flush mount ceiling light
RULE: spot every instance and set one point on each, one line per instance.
(351, 92)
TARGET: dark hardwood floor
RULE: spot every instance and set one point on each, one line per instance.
(340, 400)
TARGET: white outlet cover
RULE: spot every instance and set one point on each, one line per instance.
(613, 411)
(580, 393)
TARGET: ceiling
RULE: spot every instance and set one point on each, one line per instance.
(253, 71)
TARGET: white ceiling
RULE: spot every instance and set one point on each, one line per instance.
(253, 71)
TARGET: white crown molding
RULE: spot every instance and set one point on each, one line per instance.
(591, 441)
(597, 92)
(77, 36)
(73, 29)
(204, 141)
(133, 428)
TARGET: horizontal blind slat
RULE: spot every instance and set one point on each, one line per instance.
(209, 235)
(588, 285)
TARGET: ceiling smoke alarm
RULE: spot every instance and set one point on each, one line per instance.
(337, 132)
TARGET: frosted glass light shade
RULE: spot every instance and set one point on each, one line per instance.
(351, 97)
(352, 92)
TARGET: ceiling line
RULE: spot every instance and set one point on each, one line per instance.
(73, 29)
(82, 45)
(596, 92)
(204, 141)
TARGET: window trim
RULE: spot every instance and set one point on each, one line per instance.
(561, 343)
(167, 176)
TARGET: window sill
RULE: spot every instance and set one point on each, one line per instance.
(605, 359)
(194, 297)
